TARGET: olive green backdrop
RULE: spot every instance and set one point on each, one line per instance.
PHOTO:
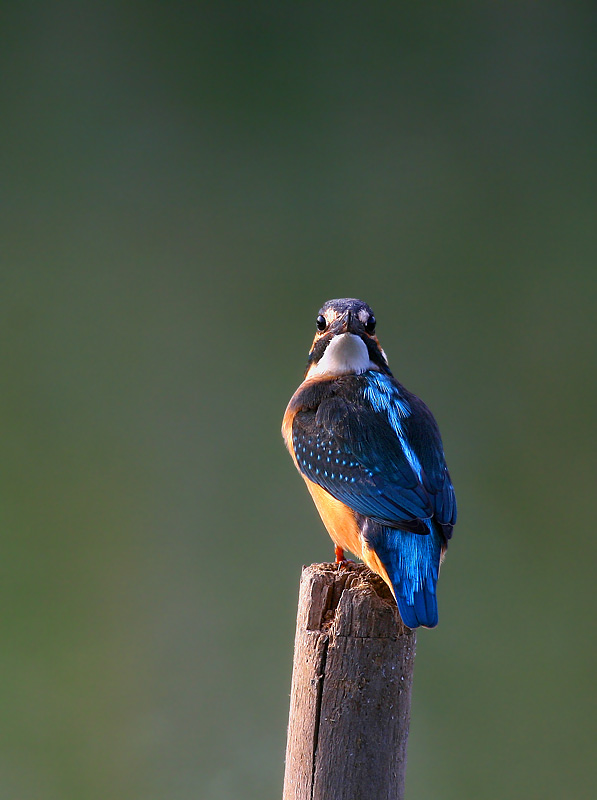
(182, 186)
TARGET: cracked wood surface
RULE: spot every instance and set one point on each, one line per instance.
(351, 688)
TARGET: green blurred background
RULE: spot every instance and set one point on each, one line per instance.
(182, 186)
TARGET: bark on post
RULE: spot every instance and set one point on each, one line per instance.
(351, 688)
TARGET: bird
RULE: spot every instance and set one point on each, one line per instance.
(372, 457)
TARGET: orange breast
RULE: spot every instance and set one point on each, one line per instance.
(342, 526)
(337, 517)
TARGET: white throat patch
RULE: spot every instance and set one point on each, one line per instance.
(345, 354)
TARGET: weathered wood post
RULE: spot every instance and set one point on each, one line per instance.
(351, 689)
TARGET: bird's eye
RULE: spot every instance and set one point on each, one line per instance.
(370, 324)
(321, 323)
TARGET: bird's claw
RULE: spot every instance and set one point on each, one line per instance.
(340, 559)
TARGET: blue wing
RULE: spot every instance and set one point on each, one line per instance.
(377, 448)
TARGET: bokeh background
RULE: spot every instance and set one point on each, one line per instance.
(182, 186)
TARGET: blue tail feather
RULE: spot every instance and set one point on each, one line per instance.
(412, 563)
(426, 607)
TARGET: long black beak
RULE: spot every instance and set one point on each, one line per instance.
(348, 323)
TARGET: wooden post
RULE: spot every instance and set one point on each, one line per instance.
(351, 688)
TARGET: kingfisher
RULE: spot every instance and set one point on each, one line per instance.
(372, 457)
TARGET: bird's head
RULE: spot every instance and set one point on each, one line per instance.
(345, 342)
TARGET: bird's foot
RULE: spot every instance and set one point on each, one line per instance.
(340, 559)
